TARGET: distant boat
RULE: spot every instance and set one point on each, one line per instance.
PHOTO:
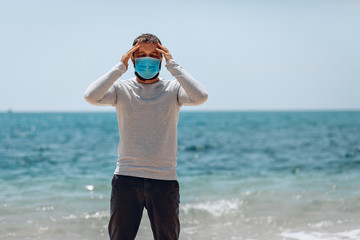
(9, 111)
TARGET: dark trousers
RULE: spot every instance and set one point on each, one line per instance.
(130, 195)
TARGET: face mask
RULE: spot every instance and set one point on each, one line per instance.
(147, 67)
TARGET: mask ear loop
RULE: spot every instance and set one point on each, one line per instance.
(134, 57)
(160, 63)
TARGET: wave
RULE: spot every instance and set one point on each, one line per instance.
(313, 235)
(215, 208)
(198, 147)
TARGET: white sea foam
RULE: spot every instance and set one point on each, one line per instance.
(98, 214)
(321, 224)
(89, 187)
(215, 208)
(312, 235)
(87, 215)
(71, 216)
(45, 208)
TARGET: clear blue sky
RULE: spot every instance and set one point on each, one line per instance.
(250, 55)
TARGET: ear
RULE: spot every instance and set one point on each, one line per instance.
(133, 59)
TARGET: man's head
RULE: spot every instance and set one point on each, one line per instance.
(146, 38)
(147, 48)
(148, 44)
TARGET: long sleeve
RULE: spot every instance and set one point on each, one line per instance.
(191, 92)
(102, 91)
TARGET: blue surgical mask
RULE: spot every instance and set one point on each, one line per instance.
(147, 67)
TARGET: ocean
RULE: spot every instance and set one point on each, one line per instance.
(243, 175)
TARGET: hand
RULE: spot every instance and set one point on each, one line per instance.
(164, 51)
(125, 58)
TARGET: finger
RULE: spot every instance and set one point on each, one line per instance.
(162, 47)
(133, 49)
(136, 46)
(161, 51)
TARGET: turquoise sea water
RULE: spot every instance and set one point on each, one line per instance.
(243, 175)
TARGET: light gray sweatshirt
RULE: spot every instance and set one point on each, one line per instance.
(147, 115)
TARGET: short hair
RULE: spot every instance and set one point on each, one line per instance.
(146, 38)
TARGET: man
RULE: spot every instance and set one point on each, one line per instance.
(147, 109)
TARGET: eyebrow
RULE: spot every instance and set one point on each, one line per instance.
(150, 52)
(141, 52)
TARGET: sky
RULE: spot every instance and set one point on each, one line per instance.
(251, 55)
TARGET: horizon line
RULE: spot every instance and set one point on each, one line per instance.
(188, 110)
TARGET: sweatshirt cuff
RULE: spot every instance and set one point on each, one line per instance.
(173, 67)
(120, 67)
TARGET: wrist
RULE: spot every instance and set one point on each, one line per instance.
(125, 63)
(169, 59)
(120, 66)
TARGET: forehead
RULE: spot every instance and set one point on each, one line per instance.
(147, 47)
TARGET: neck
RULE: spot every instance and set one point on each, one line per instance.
(147, 81)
